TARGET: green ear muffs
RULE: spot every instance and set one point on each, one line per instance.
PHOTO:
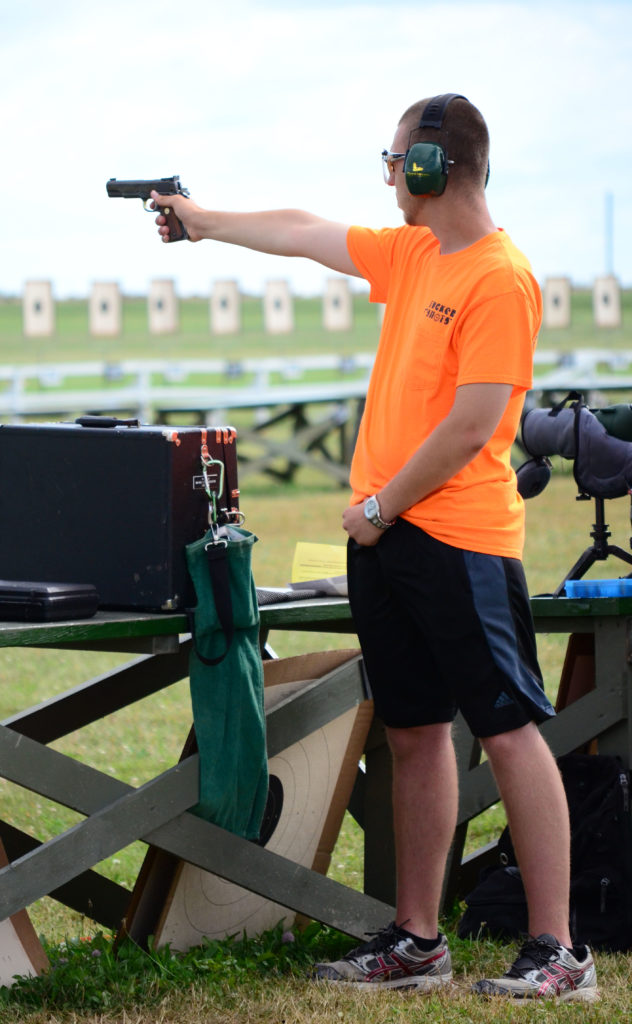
(426, 169)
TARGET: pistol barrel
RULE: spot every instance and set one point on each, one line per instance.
(142, 188)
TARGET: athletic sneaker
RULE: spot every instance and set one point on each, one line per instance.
(391, 959)
(546, 970)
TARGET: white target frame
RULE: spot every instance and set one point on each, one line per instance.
(316, 774)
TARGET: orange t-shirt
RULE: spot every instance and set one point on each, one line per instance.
(468, 317)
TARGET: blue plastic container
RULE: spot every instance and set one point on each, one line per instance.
(598, 588)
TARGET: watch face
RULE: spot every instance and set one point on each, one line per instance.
(371, 507)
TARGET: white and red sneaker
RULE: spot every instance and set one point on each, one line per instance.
(391, 959)
(546, 970)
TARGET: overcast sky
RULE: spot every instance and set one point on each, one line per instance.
(270, 104)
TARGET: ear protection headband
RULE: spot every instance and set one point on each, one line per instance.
(426, 163)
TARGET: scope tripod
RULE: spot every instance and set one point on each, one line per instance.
(599, 549)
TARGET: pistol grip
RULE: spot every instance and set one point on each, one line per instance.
(177, 230)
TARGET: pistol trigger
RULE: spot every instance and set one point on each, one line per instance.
(146, 208)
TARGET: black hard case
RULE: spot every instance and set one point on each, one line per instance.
(31, 601)
(113, 506)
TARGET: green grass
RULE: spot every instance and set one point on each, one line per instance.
(72, 340)
(267, 979)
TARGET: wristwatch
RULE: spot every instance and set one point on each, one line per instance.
(372, 513)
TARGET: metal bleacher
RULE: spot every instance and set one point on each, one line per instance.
(290, 412)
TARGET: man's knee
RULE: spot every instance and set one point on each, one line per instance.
(418, 740)
(523, 746)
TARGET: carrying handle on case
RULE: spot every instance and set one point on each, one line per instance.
(105, 421)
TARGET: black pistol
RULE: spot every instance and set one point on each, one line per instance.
(143, 189)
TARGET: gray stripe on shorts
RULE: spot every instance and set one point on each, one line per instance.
(489, 589)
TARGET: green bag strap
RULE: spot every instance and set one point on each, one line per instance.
(217, 561)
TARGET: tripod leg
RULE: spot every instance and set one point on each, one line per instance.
(588, 558)
(620, 553)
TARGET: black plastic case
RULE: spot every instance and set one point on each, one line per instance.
(26, 601)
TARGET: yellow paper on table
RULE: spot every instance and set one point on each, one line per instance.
(320, 567)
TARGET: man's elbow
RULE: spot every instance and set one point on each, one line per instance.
(472, 442)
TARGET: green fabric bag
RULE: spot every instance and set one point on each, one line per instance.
(226, 678)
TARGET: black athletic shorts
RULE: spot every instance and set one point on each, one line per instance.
(443, 629)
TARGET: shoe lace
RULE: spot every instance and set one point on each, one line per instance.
(534, 954)
(383, 941)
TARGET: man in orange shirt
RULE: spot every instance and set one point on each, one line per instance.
(435, 531)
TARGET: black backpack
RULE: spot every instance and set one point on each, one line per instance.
(597, 788)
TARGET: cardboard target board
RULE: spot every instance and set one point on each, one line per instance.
(337, 305)
(310, 786)
(105, 309)
(607, 302)
(225, 308)
(278, 308)
(38, 309)
(21, 952)
(556, 298)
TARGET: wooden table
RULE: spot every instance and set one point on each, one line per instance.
(117, 814)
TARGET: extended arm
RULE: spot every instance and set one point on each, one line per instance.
(475, 414)
(279, 232)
